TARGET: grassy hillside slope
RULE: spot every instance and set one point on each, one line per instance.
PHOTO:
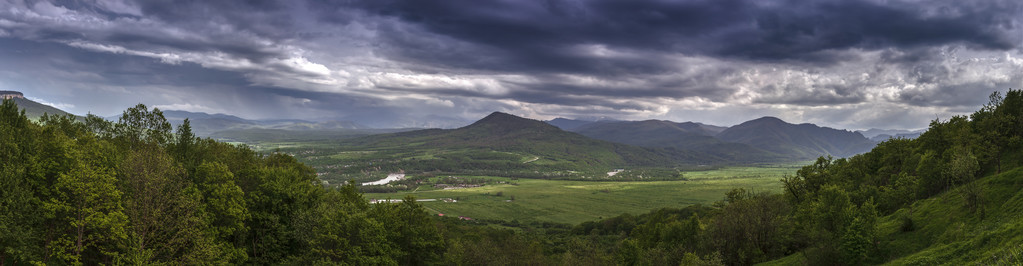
(940, 231)
(34, 110)
(946, 233)
(953, 196)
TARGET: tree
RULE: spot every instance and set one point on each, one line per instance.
(808, 180)
(932, 181)
(838, 230)
(225, 210)
(163, 210)
(856, 243)
(994, 128)
(961, 171)
(277, 193)
(183, 148)
(99, 126)
(901, 193)
(752, 227)
(341, 231)
(413, 233)
(89, 214)
(1010, 112)
(138, 125)
(22, 215)
(629, 253)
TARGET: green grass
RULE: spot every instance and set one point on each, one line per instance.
(746, 172)
(574, 202)
(948, 233)
(794, 259)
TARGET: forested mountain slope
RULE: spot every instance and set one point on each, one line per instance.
(800, 141)
(35, 110)
(552, 146)
(688, 136)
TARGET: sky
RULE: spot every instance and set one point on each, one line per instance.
(853, 64)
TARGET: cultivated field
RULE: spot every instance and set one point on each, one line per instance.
(578, 201)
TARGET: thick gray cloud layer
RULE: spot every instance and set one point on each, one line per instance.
(841, 63)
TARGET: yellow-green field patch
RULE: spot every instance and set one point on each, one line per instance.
(572, 202)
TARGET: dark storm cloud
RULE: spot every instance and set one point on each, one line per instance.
(828, 96)
(962, 97)
(799, 28)
(553, 89)
(271, 19)
(544, 36)
(145, 40)
(115, 70)
(373, 60)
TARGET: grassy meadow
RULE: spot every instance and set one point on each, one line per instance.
(573, 202)
(538, 200)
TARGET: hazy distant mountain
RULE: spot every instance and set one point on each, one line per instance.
(255, 135)
(181, 115)
(209, 125)
(569, 124)
(884, 137)
(648, 129)
(508, 133)
(801, 141)
(874, 132)
(35, 110)
(650, 133)
(204, 124)
(693, 137)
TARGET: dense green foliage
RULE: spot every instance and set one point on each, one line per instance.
(134, 192)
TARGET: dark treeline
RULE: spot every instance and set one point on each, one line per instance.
(135, 192)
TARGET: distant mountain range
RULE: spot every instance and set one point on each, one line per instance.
(763, 139)
(219, 125)
(880, 135)
(875, 132)
(604, 142)
(627, 143)
(503, 132)
(799, 141)
(695, 138)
